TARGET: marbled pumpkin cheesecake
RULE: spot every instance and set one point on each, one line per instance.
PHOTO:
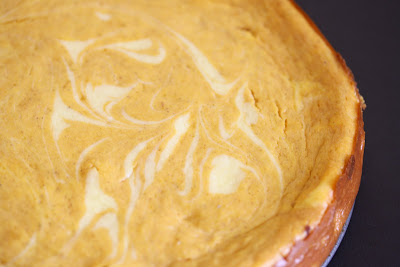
(172, 133)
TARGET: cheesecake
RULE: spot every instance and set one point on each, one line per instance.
(173, 133)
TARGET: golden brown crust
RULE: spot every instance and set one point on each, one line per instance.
(316, 246)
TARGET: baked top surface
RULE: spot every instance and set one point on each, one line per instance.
(166, 132)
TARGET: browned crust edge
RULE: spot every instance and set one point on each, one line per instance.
(315, 248)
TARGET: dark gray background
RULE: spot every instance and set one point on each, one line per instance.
(367, 33)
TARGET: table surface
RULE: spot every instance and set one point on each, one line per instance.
(367, 35)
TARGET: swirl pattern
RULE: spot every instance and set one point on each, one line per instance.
(152, 141)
